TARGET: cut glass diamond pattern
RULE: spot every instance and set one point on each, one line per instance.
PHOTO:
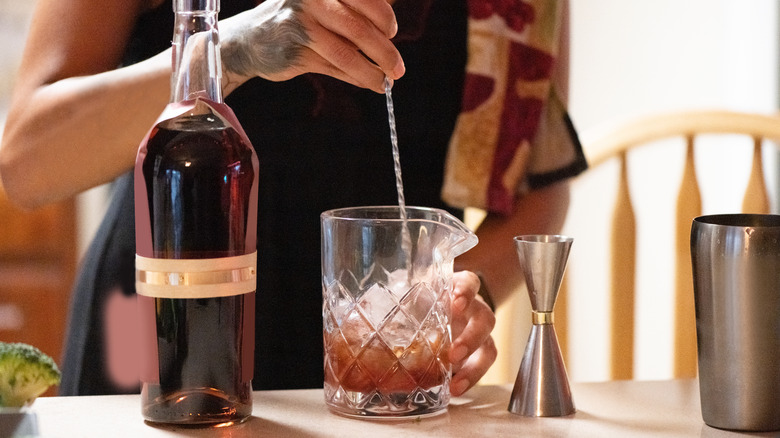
(376, 303)
(386, 352)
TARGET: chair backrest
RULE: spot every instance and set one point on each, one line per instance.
(617, 144)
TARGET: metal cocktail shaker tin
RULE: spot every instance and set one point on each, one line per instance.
(736, 278)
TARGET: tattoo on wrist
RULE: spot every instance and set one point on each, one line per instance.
(270, 48)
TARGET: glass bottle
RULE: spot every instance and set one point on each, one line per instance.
(196, 225)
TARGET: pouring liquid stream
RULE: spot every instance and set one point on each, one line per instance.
(406, 237)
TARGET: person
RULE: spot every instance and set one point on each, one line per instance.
(305, 79)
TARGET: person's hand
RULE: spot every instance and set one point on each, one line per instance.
(281, 39)
(473, 350)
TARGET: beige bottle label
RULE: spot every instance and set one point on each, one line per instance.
(196, 278)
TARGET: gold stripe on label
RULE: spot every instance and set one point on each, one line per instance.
(196, 278)
(542, 317)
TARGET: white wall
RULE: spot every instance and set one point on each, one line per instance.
(14, 22)
(631, 58)
(634, 57)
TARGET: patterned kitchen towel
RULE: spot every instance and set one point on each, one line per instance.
(514, 132)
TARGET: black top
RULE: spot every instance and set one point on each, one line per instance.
(321, 144)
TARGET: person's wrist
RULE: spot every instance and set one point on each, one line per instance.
(230, 82)
(485, 293)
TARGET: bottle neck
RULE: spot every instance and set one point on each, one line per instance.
(197, 69)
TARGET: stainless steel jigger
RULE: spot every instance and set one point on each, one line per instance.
(542, 386)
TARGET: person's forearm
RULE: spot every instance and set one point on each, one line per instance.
(495, 258)
(67, 135)
(51, 136)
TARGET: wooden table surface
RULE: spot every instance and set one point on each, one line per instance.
(604, 409)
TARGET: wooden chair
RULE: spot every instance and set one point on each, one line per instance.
(617, 144)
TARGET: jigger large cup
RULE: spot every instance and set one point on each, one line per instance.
(386, 286)
(736, 279)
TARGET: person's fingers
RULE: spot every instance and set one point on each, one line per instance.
(472, 320)
(473, 350)
(480, 321)
(353, 42)
(317, 64)
(281, 39)
(465, 285)
(343, 56)
(475, 367)
(379, 12)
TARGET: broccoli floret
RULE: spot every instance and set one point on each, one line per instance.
(25, 373)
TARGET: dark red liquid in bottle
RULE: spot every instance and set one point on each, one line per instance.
(199, 174)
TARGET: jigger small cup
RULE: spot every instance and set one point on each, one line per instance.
(542, 385)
